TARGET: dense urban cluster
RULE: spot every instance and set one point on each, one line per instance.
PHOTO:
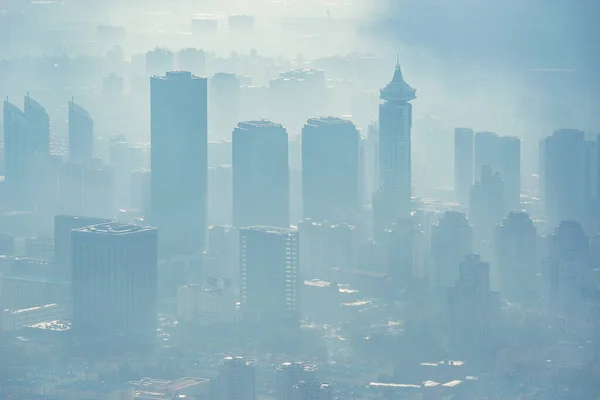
(178, 224)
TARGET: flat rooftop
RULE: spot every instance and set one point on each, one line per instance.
(58, 326)
(115, 228)
(177, 75)
(268, 229)
(321, 121)
(261, 124)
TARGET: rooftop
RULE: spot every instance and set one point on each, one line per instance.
(57, 325)
(321, 121)
(268, 229)
(261, 124)
(115, 228)
(397, 89)
(177, 75)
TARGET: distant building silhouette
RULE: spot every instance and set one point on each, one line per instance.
(487, 205)
(451, 241)
(290, 374)
(159, 61)
(114, 287)
(312, 390)
(40, 123)
(463, 165)
(81, 134)
(392, 200)
(179, 160)
(563, 175)
(236, 380)
(474, 310)
(516, 257)
(260, 175)
(269, 274)
(330, 170)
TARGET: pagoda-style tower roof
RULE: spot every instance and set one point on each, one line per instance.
(397, 89)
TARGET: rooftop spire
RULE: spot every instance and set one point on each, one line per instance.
(397, 89)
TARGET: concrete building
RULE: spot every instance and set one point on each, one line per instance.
(563, 175)
(269, 274)
(473, 310)
(206, 304)
(224, 104)
(392, 200)
(463, 165)
(159, 61)
(260, 175)
(63, 225)
(290, 374)
(7, 244)
(516, 257)
(18, 154)
(114, 286)
(179, 160)
(312, 390)
(81, 134)
(236, 380)
(487, 205)
(330, 170)
(451, 241)
(40, 123)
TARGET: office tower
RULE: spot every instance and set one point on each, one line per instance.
(260, 175)
(451, 240)
(290, 374)
(392, 200)
(567, 269)
(503, 155)
(269, 274)
(402, 251)
(312, 390)
(474, 310)
(487, 205)
(99, 191)
(159, 61)
(463, 165)
(40, 124)
(63, 225)
(81, 134)
(371, 162)
(330, 173)
(193, 60)
(241, 24)
(114, 286)
(18, 152)
(124, 159)
(112, 87)
(236, 380)
(563, 175)
(510, 170)
(224, 104)
(516, 257)
(591, 171)
(179, 161)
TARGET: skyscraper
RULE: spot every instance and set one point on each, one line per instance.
(269, 274)
(567, 269)
(474, 310)
(18, 151)
(114, 286)
(330, 174)
(312, 389)
(393, 197)
(451, 240)
(260, 175)
(81, 134)
(288, 375)
(516, 256)
(236, 380)
(486, 153)
(63, 225)
(40, 123)
(563, 175)
(179, 160)
(487, 205)
(463, 164)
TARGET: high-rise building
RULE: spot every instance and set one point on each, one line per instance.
(486, 153)
(260, 175)
(392, 200)
(81, 134)
(220, 200)
(516, 257)
(63, 225)
(451, 240)
(236, 380)
(193, 60)
(224, 104)
(269, 274)
(114, 286)
(18, 151)
(290, 374)
(179, 160)
(330, 171)
(567, 268)
(463, 165)
(159, 61)
(312, 390)
(40, 123)
(487, 205)
(474, 310)
(563, 175)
